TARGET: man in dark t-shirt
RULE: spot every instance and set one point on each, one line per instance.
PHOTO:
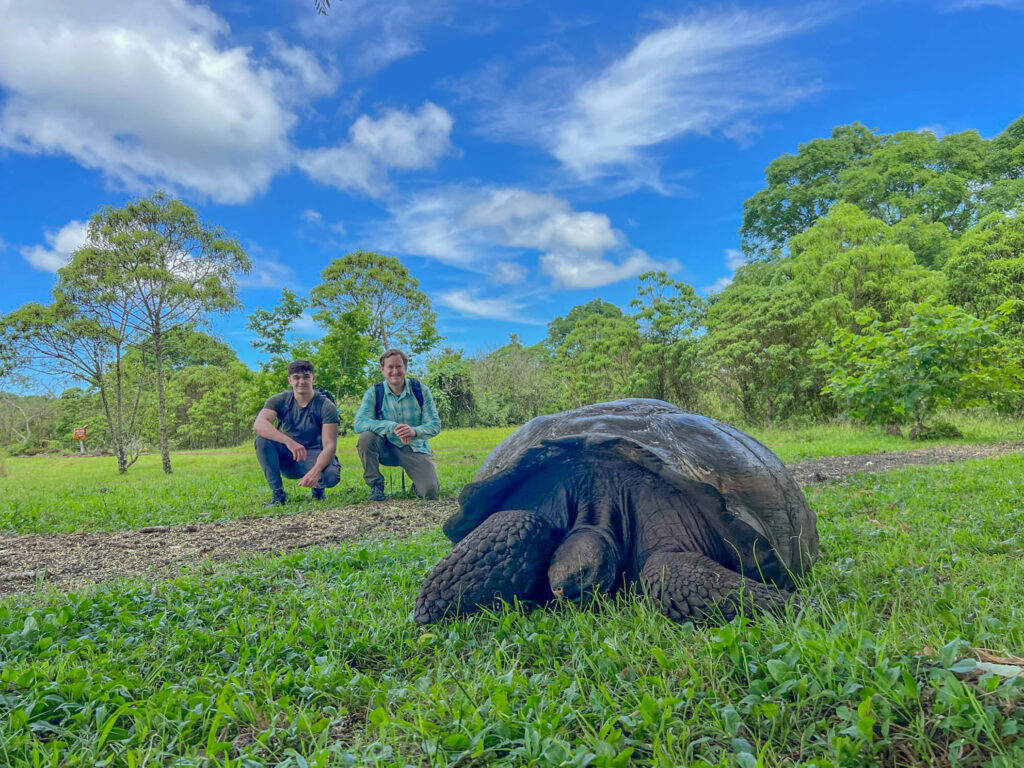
(303, 444)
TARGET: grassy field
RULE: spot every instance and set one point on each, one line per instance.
(312, 659)
(61, 495)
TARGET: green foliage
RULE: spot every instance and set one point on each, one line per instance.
(669, 315)
(399, 314)
(943, 357)
(597, 358)
(561, 327)
(271, 327)
(987, 265)
(952, 181)
(450, 379)
(513, 384)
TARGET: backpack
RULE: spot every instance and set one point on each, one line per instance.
(378, 394)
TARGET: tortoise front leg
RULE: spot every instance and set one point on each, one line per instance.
(688, 585)
(506, 556)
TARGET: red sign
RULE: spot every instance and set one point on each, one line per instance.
(80, 433)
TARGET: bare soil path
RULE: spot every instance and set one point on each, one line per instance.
(71, 561)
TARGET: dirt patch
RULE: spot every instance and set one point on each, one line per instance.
(832, 468)
(72, 561)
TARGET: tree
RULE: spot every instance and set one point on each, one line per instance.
(398, 312)
(176, 268)
(514, 383)
(83, 338)
(450, 378)
(944, 356)
(987, 265)
(272, 326)
(669, 314)
(561, 327)
(597, 358)
(801, 188)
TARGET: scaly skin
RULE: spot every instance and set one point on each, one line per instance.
(688, 585)
(505, 557)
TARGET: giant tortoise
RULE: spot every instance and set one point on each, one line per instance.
(703, 517)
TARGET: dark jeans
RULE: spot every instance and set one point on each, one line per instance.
(375, 450)
(276, 460)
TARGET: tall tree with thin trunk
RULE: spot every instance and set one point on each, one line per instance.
(78, 339)
(176, 267)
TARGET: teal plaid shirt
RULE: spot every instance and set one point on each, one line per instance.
(400, 409)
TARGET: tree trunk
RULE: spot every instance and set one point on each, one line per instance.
(161, 403)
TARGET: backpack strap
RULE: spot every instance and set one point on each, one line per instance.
(378, 396)
(417, 391)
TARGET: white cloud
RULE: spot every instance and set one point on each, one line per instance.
(370, 34)
(150, 94)
(508, 272)
(477, 229)
(575, 269)
(311, 216)
(702, 74)
(397, 140)
(470, 304)
(60, 245)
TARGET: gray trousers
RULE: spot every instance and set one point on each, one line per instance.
(375, 450)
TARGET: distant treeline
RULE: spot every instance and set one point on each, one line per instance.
(883, 280)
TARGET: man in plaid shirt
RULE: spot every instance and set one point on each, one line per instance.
(397, 435)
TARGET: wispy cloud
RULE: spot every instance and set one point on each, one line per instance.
(397, 140)
(968, 5)
(370, 34)
(268, 272)
(470, 304)
(477, 229)
(702, 74)
(60, 244)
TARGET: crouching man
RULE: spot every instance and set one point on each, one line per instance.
(394, 422)
(303, 444)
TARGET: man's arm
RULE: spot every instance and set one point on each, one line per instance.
(264, 427)
(365, 421)
(329, 438)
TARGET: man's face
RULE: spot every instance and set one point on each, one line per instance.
(393, 370)
(301, 381)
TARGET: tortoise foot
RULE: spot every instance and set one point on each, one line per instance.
(688, 585)
(505, 557)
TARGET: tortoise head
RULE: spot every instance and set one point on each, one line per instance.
(585, 563)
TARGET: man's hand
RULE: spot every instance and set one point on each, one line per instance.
(405, 433)
(298, 451)
(311, 478)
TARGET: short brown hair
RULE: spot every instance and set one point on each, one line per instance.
(391, 353)
(300, 366)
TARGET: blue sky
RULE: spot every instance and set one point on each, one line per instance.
(518, 157)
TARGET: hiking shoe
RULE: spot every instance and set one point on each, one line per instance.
(377, 491)
(278, 499)
(319, 494)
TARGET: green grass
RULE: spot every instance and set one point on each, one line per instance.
(843, 439)
(313, 659)
(46, 494)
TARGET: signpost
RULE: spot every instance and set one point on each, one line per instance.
(79, 435)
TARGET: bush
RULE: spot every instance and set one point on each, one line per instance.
(940, 430)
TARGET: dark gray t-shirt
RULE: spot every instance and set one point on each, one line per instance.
(303, 425)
